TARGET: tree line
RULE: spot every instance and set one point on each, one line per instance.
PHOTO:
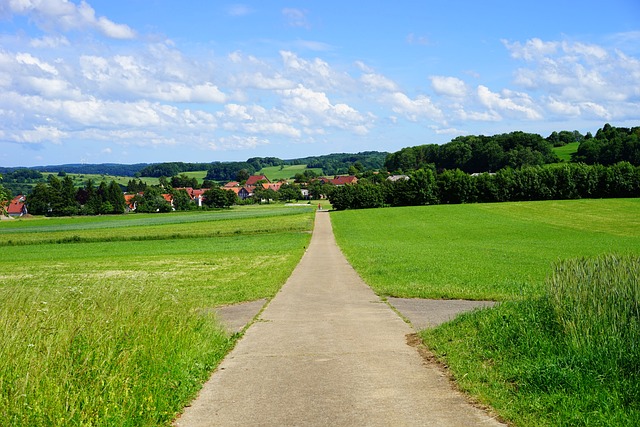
(60, 197)
(479, 153)
(548, 182)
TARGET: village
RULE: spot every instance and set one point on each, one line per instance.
(18, 206)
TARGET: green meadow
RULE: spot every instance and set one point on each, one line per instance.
(106, 320)
(276, 173)
(561, 348)
(499, 251)
(566, 151)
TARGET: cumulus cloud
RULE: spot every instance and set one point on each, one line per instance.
(448, 86)
(314, 109)
(414, 109)
(378, 82)
(314, 73)
(509, 103)
(574, 72)
(52, 15)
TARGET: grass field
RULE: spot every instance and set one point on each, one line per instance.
(566, 151)
(481, 251)
(80, 179)
(275, 173)
(561, 349)
(106, 331)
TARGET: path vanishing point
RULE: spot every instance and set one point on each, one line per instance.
(326, 351)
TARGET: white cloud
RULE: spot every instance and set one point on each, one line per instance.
(413, 109)
(378, 82)
(296, 17)
(49, 42)
(258, 80)
(314, 109)
(315, 73)
(51, 15)
(508, 102)
(579, 80)
(28, 59)
(449, 86)
(236, 142)
(40, 134)
(532, 49)
(125, 76)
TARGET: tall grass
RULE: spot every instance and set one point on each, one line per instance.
(105, 355)
(570, 357)
(597, 304)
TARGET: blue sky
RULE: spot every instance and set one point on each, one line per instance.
(143, 81)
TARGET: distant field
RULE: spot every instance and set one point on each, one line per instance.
(481, 251)
(275, 173)
(199, 175)
(111, 327)
(80, 179)
(566, 151)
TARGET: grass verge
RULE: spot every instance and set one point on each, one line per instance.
(568, 358)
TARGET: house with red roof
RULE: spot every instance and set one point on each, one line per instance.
(275, 186)
(17, 207)
(253, 179)
(339, 180)
(344, 180)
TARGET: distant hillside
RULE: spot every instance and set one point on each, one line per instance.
(78, 168)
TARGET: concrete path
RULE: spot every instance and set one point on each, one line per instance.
(327, 352)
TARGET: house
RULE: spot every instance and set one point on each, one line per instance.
(253, 180)
(197, 195)
(275, 186)
(17, 206)
(130, 204)
(339, 180)
(231, 184)
(394, 178)
(344, 180)
(242, 192)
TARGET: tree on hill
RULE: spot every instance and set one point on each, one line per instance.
(475, 154)
(610, 145)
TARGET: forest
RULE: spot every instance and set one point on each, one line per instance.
(507, 167)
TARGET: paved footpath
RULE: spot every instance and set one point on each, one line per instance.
(327, 352)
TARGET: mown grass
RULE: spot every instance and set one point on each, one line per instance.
(481, 251)
(561, 348)
(568, 358)
(275, 173)
(154, 227)
(79, 179)
(114, 332)
(566, 151)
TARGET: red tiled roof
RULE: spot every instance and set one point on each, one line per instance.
(253, 179)
(275, 186)
(16, 206)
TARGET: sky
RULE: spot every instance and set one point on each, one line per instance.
(146, 81)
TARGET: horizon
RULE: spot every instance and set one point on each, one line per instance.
(99, 81)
